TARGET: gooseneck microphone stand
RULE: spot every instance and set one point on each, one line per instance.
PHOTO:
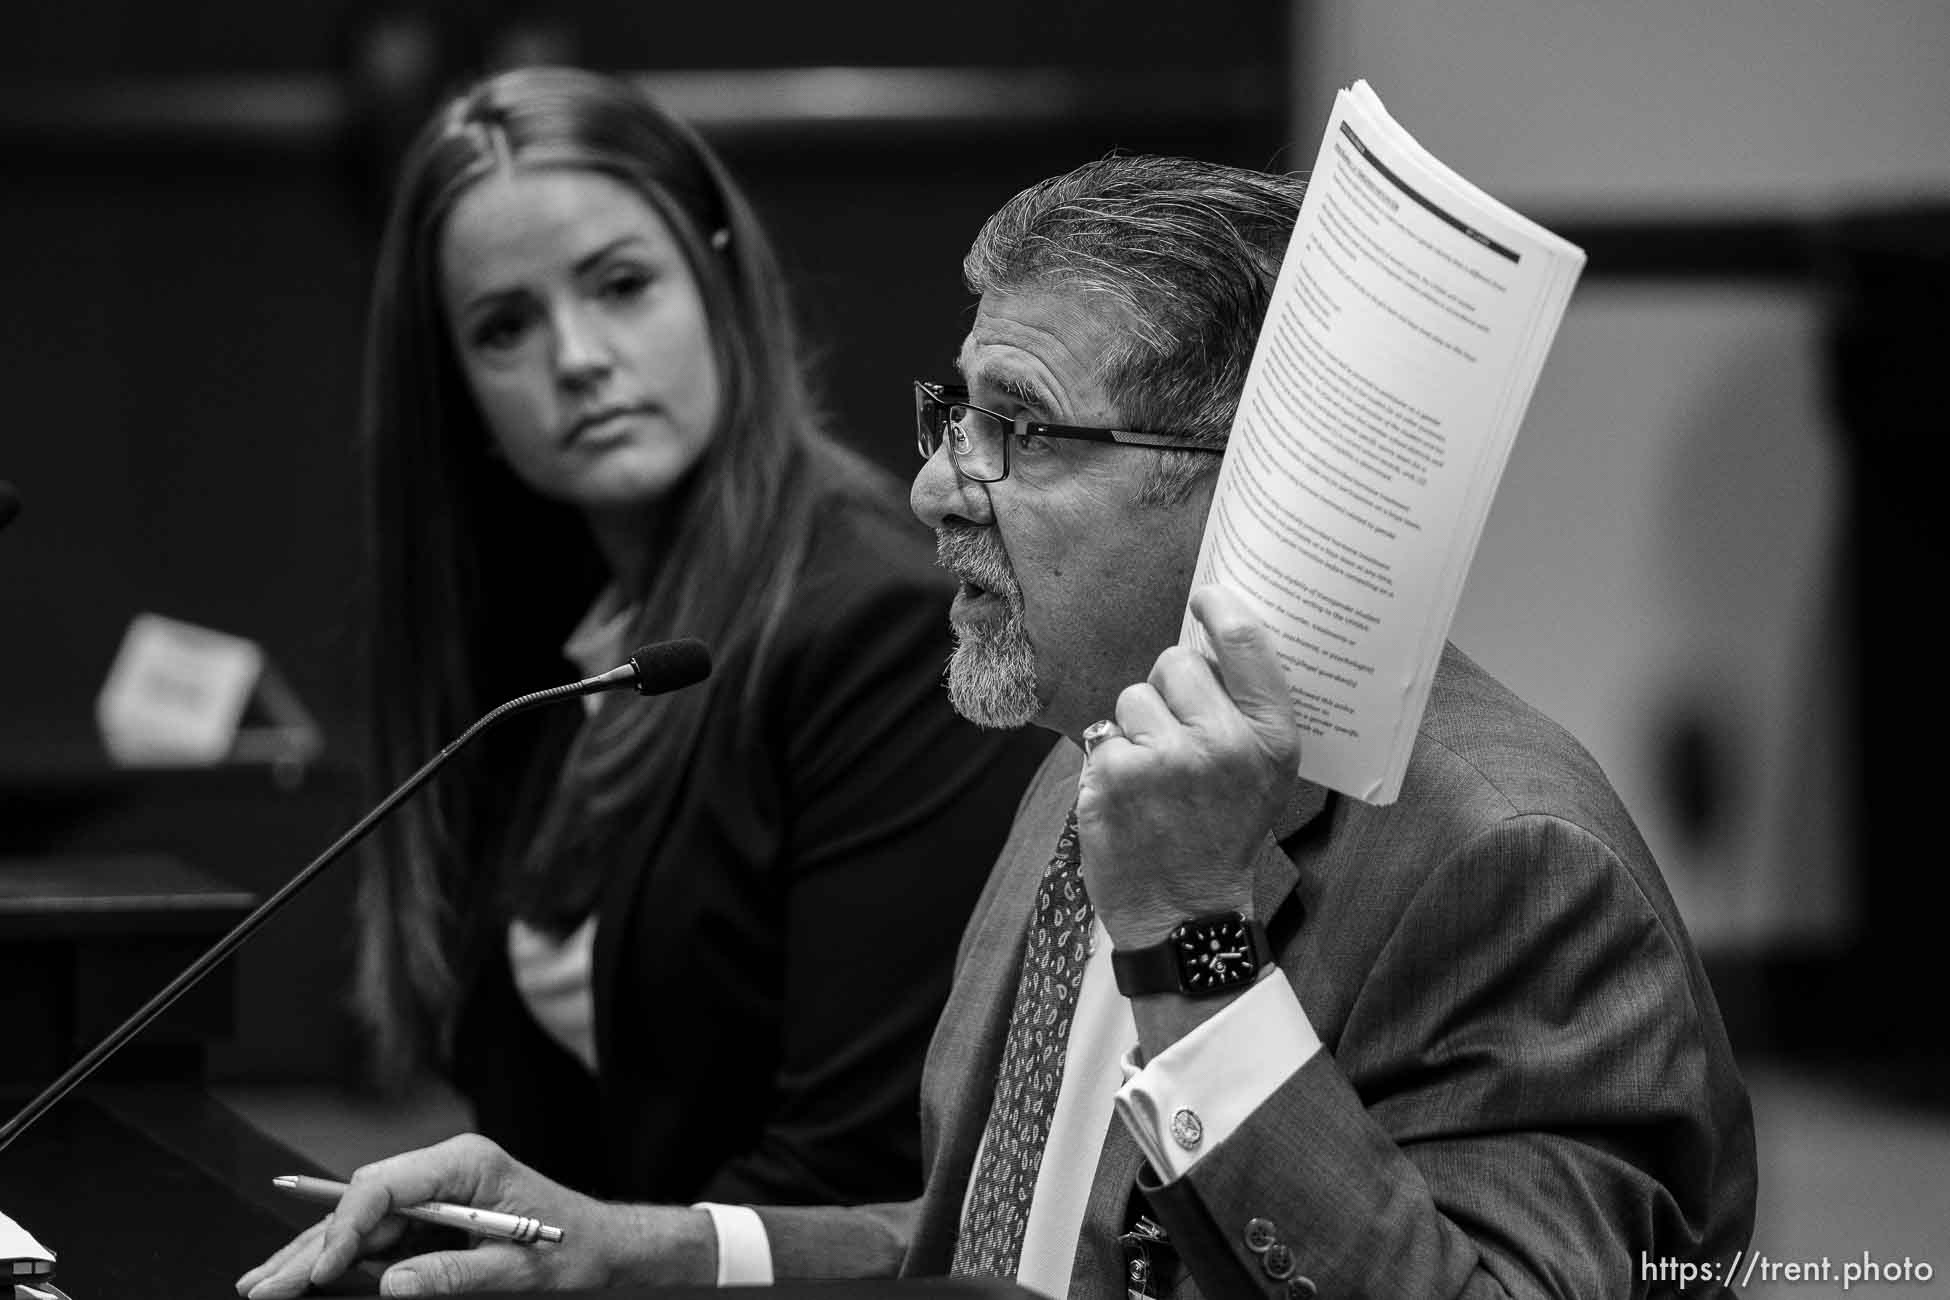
(652, 670)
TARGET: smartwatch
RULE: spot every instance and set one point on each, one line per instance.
(1206, 955)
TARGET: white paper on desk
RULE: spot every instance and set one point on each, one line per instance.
(20, 1254)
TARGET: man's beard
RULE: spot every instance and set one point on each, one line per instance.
(992, 673)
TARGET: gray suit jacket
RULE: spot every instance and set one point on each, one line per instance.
(1526, 1086)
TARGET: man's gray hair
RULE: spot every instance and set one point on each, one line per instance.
(1186, 251)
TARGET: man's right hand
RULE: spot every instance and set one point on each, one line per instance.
(602, 1244)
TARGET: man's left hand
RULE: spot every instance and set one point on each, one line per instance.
(1171, 814)
(602, 1244)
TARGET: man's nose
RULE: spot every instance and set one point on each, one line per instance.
(940, 493)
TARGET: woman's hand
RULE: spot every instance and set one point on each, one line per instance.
(602, 1244)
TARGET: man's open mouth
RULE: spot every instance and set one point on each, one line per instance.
(973, 600)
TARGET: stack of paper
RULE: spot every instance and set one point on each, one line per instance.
(1410, 318)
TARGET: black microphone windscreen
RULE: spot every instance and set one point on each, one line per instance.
(670, 665)
(9, 503)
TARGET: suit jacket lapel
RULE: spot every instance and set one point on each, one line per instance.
(1097, 1272)
(1277, 879)
(967, 1049)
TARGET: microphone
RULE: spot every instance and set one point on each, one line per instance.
(654, 669)
(651, 670)
(9, 503)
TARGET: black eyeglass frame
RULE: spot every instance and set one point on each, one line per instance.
(932, 401)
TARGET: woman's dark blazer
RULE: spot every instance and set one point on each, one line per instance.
(766, 980)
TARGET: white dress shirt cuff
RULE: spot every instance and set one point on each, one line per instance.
(744, 1251)
(1197, 1092)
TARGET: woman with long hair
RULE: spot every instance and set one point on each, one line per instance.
(681, 948)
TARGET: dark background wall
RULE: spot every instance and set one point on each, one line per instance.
(192, 201)
(189, 226)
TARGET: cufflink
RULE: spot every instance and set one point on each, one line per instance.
(1186, 1130)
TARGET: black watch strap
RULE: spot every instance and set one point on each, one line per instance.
(1201, 957)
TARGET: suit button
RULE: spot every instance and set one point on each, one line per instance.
(1260, 1234)
(1301, 1288)
(1278, 1262)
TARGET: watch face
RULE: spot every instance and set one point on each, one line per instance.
(1214, 954)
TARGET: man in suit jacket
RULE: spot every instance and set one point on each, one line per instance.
(1458, 1045)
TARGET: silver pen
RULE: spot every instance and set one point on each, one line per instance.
(518, 1228)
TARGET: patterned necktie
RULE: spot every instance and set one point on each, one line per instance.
(990, 1244)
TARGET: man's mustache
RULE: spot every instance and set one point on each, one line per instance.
(975, 555)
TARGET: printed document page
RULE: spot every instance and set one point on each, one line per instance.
(1404, 337)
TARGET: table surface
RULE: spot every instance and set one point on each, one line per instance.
(162, 1192)
(60, 896)
(154, 1191)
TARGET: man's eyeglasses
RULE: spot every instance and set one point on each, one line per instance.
(979, 439)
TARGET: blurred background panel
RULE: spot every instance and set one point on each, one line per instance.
(1698, 558)
(1768, 105)
(1717, 546)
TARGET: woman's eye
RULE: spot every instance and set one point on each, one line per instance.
(623, 286)
(499, 333)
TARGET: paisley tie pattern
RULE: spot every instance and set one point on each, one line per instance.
(990, 1244)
